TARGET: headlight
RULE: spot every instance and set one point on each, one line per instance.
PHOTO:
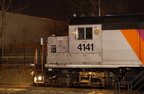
(39, 77)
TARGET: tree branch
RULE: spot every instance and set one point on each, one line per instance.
(8, 5)
(94, 4)
(1, 3)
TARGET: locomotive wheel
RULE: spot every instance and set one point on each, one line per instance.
(65, 82)
(48, 83)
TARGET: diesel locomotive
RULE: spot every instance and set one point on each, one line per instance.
(98, 52)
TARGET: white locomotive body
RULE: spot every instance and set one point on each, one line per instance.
(75, 52)
(99, 51)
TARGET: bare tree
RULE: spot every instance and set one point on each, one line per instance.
(83, 6)
(91, 7)
(9, 6)
(59, 28)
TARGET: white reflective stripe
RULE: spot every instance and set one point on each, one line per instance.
(90, 66)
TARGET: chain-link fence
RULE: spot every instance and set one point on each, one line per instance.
(15, 66)
(17, 56)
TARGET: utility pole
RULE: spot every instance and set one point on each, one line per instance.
(3, 23)
(99, 9)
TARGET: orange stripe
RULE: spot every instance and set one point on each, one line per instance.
(135, 42)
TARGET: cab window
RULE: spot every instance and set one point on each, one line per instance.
(80, 33)
(85, 33)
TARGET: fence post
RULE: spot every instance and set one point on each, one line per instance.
(1, 56)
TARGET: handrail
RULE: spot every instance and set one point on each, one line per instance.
(42, 57)
(130, 83)
(35, 59)
(137, 83)
(137, 76)
(140, 87)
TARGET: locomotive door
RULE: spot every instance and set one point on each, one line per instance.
(85, 44)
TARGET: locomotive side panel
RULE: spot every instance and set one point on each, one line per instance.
(51, 46)
(117, 51)
(57, 50)
(137, 45)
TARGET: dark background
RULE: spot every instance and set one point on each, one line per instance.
(60, 9)
(53, 9)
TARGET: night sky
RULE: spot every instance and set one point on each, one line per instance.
(46, 8)
(56, 9)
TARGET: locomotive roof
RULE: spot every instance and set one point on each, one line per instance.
(107, 19)
(135, 21)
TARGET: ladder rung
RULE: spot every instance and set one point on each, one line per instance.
(38, 70)
(39, 64)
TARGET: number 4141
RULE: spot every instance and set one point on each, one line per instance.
(85, 47)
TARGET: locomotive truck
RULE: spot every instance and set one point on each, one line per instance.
(98, 52)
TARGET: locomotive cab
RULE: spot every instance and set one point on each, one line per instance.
(85, 45)
(81, 49)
